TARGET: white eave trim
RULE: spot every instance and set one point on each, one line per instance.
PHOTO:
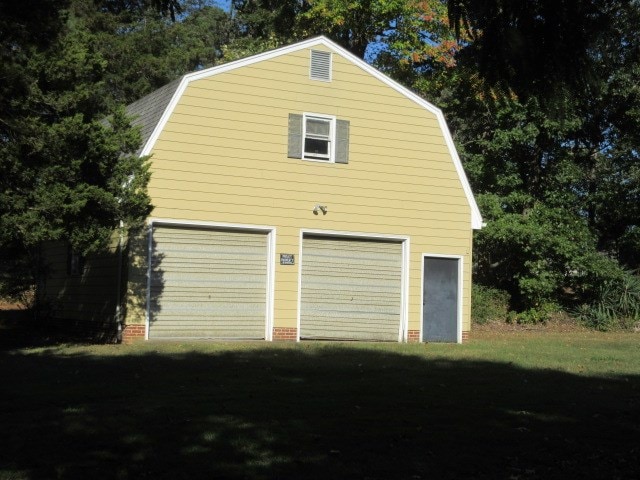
(476, 217)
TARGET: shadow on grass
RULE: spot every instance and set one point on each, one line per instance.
(19, 329)
(319, 411)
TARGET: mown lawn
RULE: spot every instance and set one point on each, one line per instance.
(521, 406)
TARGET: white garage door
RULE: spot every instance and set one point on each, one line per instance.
(351, 289)
(208, 283)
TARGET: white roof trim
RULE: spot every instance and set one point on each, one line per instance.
(476, 217)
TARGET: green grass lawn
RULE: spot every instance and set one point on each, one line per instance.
(521, 406)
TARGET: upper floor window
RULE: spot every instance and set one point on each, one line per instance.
(318, 137)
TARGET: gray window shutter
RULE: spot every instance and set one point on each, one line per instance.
(295, 136)
(342, 141)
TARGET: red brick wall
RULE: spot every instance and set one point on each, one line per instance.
(133, 333)
(285, 333)
(413, 336)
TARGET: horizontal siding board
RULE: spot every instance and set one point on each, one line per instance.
(89, 296)
(394, 181)
(302, 208)
(328, 96)
(376, 116)
(441, 206)
(270, 120)
(236, 130)
(311, 181)
(308, 173)
(219, 142)
(303, 211)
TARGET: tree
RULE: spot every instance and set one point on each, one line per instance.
(67, 174)
(408, 30)
(402, 37)
(261, 19)
(145, 49)
(538, 47)
(555, 169)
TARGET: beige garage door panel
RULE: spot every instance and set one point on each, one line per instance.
(208, 283)
(351, 289)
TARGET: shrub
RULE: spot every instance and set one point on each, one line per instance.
(617, 305)
(535, 315)
(488, 304)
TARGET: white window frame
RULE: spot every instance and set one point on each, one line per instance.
(331, 157)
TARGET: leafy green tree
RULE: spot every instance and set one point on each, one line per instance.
(144, 49)
(406, 31)
(559, 191)
(67, 174)
(261, 19)
(539, 47)
(402, 37)
(260, 25)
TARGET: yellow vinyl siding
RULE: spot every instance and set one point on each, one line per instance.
(240, 172)
(90, 296)
(222, 158)
(136, 301)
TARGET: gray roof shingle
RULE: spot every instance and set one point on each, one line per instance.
(147, 111)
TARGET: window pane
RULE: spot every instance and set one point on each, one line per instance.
(317, 126)
(314, 146)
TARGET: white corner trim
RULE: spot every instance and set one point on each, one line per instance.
(476, 217)
(147, 316)
(406, 266)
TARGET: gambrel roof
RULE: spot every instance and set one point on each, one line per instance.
(152, 112)
(148, 111)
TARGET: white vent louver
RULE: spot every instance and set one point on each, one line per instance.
(320, 66)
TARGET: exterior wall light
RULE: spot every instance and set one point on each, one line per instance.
(320, 208)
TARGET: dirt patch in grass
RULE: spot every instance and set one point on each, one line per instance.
(10, 305)
(559, 323)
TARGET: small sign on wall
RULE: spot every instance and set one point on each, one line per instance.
(287, 259)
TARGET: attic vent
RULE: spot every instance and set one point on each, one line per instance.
(320, 66)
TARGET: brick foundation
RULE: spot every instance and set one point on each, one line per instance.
(413, 336)
(133, 333)
(285, 333)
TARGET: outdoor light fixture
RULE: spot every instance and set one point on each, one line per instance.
(320, 208)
